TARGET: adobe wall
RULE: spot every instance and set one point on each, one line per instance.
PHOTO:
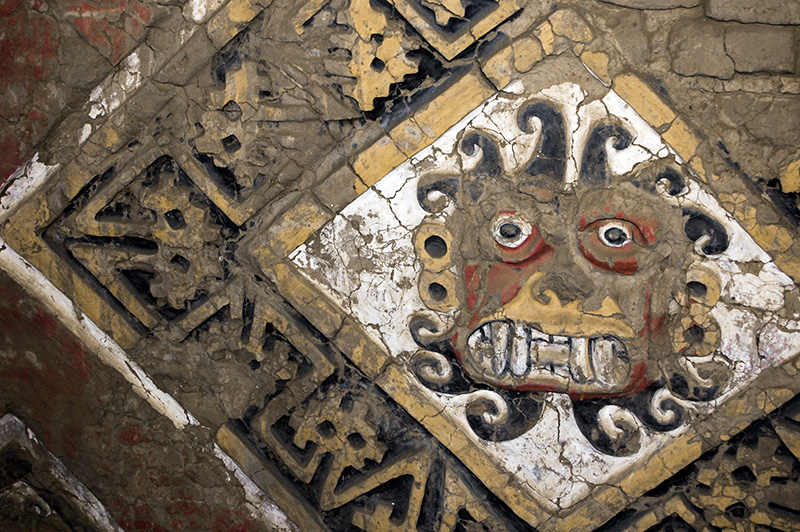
(420, 265)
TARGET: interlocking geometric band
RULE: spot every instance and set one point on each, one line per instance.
(442, 269)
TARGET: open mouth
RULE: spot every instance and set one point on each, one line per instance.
(518, 353)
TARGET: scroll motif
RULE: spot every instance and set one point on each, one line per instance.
(552, 278)
(354, 454)
(587, 287)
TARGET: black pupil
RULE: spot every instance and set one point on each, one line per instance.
(615, 236)
(510, 231)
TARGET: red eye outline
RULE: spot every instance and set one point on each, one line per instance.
(511, 241)
(520, 247)
(601, 252)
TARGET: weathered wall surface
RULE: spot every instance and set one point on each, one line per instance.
(730, 66)
(52, 55)
(148, 475)
(414, 264)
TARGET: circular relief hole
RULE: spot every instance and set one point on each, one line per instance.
(738, 511)
(356, 441)
(347, 402)
(697, 290)
(694, 334)
(437, 291)
(743, 475)
(378, 65)
(232, 111)
(435, 246)
(326, 429)
(231, 143)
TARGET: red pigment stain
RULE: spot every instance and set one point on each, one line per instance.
(532, 246)
(187, 508)
(647, 227)
(113, 27)
(27, 60)
(9, 6)
(132, 436)
(233, 521)
(48, 378)
(506, 280)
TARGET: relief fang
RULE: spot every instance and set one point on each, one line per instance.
(498, 348)
(563, 288)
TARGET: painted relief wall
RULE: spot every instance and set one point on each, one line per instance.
(400, 265)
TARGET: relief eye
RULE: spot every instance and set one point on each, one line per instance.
(615, 235)
(612, 245)
(511, 232)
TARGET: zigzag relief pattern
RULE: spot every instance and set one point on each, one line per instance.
(355, 455)
(748, 483)
(425, 265)
(151, 238)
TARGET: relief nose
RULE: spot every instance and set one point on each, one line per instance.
(566, 286)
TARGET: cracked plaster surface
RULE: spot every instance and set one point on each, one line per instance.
(365, 260)
(750, 279)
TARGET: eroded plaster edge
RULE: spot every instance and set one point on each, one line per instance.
(12, 428)
(262, 506)
(109, 352)
(22, 183)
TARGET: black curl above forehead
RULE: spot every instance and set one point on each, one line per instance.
(594, 168)
(548, 167)
(699, 224)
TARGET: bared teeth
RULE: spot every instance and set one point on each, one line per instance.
(520, 352)
(609, 358)
(480, 345)
(538, 336)
(500, 331)
(523, 351)
(555, 353)
(579, 364)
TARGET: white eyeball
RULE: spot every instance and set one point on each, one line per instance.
(511, 231)
(614, 234)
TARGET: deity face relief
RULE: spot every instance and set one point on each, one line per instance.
(550, 290)
(569, 295)
(561, 285)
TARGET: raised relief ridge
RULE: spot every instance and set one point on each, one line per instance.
(574, 292)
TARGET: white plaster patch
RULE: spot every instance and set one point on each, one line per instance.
(752, 291)
(24, 181)
(121, 84)
(778, 341)
(85, 132)
(199, 10)
(365, 260)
